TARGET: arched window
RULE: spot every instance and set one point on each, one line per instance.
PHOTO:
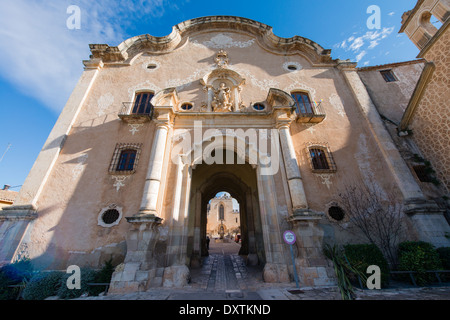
(302, 102)
(142, 103)
(221, 212)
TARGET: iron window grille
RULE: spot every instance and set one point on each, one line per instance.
(320, 159)
(125, 158)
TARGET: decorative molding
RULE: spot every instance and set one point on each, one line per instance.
(134, 127)
(104, 102)
(119, 181)
(337, 104)
(325, 177)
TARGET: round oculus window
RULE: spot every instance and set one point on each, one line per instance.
(110, 216)
(186, 106)
(336, 213)
(258, 106)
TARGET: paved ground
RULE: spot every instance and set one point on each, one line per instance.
(225, 276)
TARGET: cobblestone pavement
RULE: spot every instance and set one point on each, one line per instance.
(225, 276)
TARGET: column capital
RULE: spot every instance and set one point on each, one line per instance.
(164, 116)
(283, 117)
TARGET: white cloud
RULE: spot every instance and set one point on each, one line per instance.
(42, 57)
(391, 13)
(360, 56)
(358, 45)
(373, 44)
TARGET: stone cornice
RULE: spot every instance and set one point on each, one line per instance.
(180, 32)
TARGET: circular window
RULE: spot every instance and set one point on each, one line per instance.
(110, 216)
(258, 106)
(292, 66)
(336, 213)
(186, 106)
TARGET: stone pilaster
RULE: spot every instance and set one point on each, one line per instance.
(139, 269)
(312, 266)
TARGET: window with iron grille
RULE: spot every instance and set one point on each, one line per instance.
(142, 103)
(320, 159)
(125, 158)
(302, 103)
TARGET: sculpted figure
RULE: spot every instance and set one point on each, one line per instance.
(221, 101)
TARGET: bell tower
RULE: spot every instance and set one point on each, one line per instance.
(417, 23)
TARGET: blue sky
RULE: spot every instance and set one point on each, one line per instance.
(41, 59)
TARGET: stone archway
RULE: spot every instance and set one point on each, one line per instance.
(240, 182)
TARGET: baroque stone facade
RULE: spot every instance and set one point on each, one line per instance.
(156, 127)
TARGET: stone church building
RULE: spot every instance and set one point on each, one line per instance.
(223, 218)
(157, 126)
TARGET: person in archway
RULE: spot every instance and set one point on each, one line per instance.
(207, 242)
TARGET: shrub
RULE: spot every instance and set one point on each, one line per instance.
(102, 276)
(419, 256)
(87, 275)
(43, 285)
(14, 274)
(444, 255)
(360, 256)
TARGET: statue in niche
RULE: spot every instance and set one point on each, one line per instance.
(222, 98)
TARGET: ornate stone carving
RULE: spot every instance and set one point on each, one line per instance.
(222, 99)
(222, 59)
(119, 181)
(223, 86)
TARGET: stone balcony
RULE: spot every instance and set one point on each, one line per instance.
(143, 115)
(311, 113)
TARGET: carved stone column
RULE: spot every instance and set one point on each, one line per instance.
(296, 190)
(139, 267)
(155, 165)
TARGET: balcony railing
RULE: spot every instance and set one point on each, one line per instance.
(140, 115)
(310, 112)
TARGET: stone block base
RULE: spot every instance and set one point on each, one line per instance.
(176, 276)
(276, 273)
(317, 276)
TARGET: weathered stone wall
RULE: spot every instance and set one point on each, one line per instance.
(431, 121)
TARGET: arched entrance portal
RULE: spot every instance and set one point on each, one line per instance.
(239, 180)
